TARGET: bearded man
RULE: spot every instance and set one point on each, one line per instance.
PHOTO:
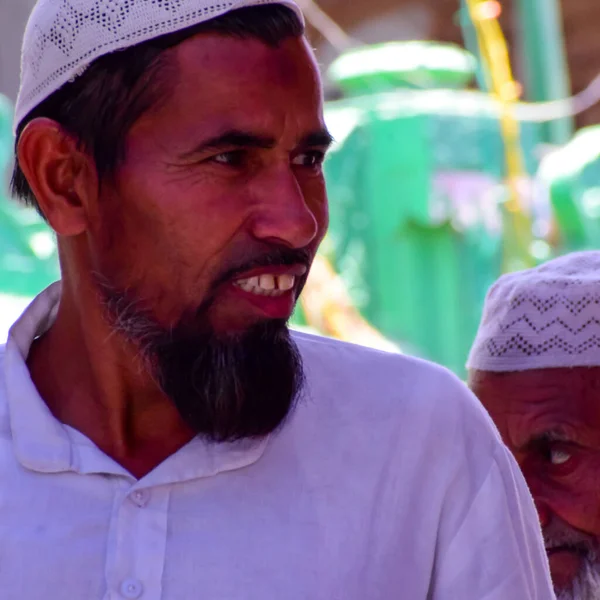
(164, 435)
(535, 366)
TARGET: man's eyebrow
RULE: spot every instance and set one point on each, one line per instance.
(545, 437)
(320, 138)
(232, 138)
(237, 138)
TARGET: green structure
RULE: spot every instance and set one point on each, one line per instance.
(544, 60)
(416, 194)
(28, 260)
(571, 177)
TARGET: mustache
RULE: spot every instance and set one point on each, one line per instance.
(274, 257)
(558, 534)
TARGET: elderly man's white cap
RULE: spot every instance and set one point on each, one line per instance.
(63, 37)
(546, 317)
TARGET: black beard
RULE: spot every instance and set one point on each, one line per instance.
(226, 387)
(230, 388)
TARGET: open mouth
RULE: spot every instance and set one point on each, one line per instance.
(271, 290)
(267, 284)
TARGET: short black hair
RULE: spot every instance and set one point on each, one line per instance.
(99, 108)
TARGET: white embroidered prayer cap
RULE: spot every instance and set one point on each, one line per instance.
(63, 37)
(545, 317)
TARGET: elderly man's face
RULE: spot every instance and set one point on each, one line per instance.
(550, 419)
(203, 242)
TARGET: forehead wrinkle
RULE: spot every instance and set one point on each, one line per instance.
(552, 427)
(215, 87)
(223, 61)
(275, 121)
(526, 416)
(519, 391)
(229, 63)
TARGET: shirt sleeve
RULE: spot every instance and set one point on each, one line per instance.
(497, 552)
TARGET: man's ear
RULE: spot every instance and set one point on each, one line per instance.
(62, 177)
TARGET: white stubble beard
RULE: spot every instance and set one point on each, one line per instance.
(586, 585)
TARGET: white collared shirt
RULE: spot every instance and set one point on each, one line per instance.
(388, 482)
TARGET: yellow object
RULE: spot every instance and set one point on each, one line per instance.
(328, 309)
(496, 63)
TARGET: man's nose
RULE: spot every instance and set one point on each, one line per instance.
(281, 213)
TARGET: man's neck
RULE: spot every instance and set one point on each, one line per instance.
(94, 381)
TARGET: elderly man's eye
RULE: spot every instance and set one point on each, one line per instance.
(559, 457)
(234, 158)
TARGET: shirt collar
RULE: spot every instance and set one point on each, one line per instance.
(43, 444)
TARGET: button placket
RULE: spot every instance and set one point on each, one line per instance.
(140, 498)
(136, 563)
(132, 588)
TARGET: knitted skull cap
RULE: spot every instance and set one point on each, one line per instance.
(63, 37)
(545, 317)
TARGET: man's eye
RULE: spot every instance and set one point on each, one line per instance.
(312, 159)
(559, 457)
(234, 158)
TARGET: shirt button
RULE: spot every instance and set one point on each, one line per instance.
(131, 588)
(140, 498)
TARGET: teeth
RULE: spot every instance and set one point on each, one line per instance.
(267, 282)
(267, 285)
(248, 284)
(286, 282)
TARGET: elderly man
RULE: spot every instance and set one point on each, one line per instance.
(535, 366)
(164, 435)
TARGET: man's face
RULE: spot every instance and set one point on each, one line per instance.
(225, 172)
(209, 230)
(550, 420)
